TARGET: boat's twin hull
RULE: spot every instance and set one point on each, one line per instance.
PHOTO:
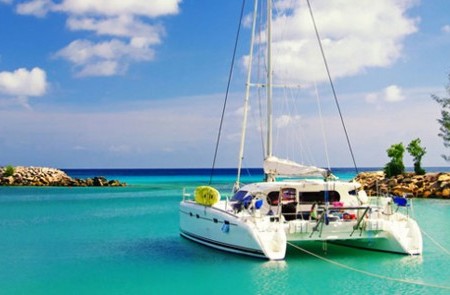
(265, 237)
(395, 236)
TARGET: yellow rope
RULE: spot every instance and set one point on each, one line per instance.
(366, 272)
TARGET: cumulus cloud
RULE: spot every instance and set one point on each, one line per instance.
(126, 31)
(154, 8)
(105, 58)
(22, 82)
(354, 37)
(392, 93)
(119, 26)
(37, 8)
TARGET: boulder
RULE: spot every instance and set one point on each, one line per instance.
(446, 193)
(444, 177)
(430, 185)
(44, 176)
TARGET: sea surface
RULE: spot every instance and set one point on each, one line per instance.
(125, 240)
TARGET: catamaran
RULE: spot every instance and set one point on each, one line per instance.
(295, 203)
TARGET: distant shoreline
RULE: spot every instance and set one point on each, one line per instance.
(434, 184)
(45, 176)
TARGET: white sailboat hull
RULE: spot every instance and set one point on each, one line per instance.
(222, 230)
(265, 233)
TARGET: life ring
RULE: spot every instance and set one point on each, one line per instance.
(206, 195)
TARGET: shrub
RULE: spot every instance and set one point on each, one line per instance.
(417, 152)
(9, 171)
(395, 166)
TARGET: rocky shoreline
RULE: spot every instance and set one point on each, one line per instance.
(44, 176)
(430, 185)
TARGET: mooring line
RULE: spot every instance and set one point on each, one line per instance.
(436, 243)
(368, 273)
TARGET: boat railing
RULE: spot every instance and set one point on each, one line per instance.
(360, 219)
(332, 210)
(186, 195)
(324, 217)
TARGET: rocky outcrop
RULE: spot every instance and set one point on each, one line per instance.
(43, 176)
(430, 185)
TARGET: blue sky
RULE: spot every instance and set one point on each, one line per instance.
(140, 84)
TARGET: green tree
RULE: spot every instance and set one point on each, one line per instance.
(417, 152)
(9, 171)
(444, 121)
(395, 166)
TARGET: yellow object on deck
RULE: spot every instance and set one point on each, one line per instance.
(206, 195)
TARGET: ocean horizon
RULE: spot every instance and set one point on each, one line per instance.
(135, 176)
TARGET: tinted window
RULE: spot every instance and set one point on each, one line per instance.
(272, 198)
(319, 197)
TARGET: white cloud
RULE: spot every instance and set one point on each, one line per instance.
(23, 83)
(102, 68)
(392, 93)
(446, 29)
(354, 37)
(37, 8)
(120, 26)
(154, 8)
(103, 59)
(130, 23)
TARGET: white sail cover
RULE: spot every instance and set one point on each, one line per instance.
(274, 166)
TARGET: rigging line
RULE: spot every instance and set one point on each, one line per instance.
(319, 106)
(227, 91)
(332, 85)
(368, 273)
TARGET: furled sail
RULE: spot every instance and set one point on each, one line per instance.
(274, 166)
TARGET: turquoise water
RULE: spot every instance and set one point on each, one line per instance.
(126, 241)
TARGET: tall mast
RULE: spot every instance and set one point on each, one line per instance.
(246, 99)
(269, 86)
(269, 79)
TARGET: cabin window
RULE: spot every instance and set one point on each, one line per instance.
(272, 198)
(319, 197)
(288, 194)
